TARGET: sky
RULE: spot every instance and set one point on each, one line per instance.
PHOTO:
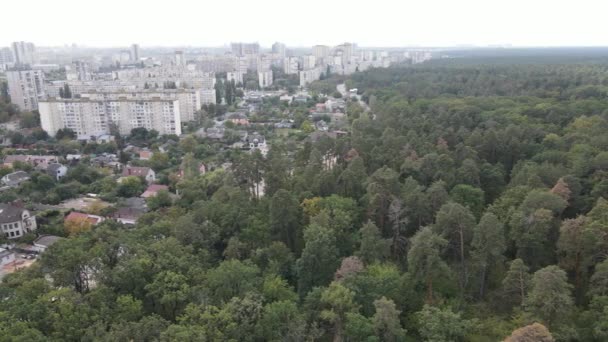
(386, 23)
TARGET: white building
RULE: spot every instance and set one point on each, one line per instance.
(180, 59)
(290, 65)
(308, 76)
(264, 62)
(24, 53)
(346, 51)
(207, 96)
(16, 221)
(135, 53)
(78, 71)
(308, 62)
(241, 64)
(243, 49)
(6, 56)
(93, 114)
(26, 87)
(279, 49)
(265, 78)
(320, 51)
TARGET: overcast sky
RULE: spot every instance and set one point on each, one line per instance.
(305, 22)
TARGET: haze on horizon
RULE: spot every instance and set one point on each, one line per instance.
(384, 23)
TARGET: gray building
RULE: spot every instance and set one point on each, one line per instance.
(26, 87)
(16, 221)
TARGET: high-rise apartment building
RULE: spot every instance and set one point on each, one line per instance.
(6, 56)
(243, 49)
(26, 87)
(320, 51)
(24, 53)
(94, 114)
(308, 62)
(265, 78)
(135, 53)
(290, 65)
(279, 49)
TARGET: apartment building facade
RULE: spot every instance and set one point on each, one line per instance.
(26, 88)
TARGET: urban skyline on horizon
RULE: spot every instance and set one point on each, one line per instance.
(384, 23)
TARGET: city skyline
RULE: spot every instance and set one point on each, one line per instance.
(386, 24)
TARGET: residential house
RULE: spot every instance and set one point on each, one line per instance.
(11, 159)
(73, 157)
(130, 210)
(81, 217)
(238, 119)
(15, 179)
(256, 142)
(321, 126)
(16, 221)
(43, 242)
(127, 215)
(57, 171)
(153, 190)
(6, 256)
(147, 173)
(145, 154)
(39, 162)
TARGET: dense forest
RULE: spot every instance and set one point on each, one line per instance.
(468, 203)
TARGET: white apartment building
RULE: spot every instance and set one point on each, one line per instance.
(243, 49)
(207, 96)
(6, 56)
(93, 115)
(78, 71)
(264, 62)
(180, 59)
(290, 65)
(241, 64)
(24, 53)
(265, 78)
(346, 51)
(308, 76)
(181, 75)
(189, 99)
(279, 49)
(26, 87)
(135, 53)
(308, 62)
(320, 51)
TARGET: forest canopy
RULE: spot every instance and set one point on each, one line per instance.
(468, 204)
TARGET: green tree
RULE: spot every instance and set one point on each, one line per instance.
(456, 224)
(550, 297)
(285, 218)
(439, 325)
(488, 246)
(232, 278)
(169, 292)
(599, 280)
(162, 199)
(130, 186)
(424, 259)
(386, 320)
(319, 259)
(338, 301)
(373, 248)
(517, 281)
